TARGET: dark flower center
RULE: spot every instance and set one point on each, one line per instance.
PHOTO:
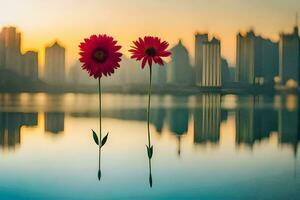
(150, 51)
(100, 55)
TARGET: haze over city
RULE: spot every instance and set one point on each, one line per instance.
(41, 22)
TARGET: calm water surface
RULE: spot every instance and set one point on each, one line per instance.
(205, 147)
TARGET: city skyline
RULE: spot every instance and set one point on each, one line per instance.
(40, 25)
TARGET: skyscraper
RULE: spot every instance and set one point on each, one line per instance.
(180, 72)
(10, 49)
(199, 40)
(55, 64)
(256, 59)
(245, 58)
(270, 61)
(226, 77)
(159, 75)
(2, 50)
(30, 65)
(211, 66)
(289, 58)
(77, 76)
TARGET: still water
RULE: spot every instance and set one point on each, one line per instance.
(205, 147)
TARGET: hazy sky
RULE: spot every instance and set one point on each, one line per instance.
(42, 21)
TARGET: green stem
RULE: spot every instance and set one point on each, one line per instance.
(150, 173)
(148, 110)
(148, 124)
(100, 138)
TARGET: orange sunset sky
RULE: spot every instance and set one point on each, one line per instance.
(69, 21)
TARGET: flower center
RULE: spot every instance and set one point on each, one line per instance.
(100, 55)
(150, 51)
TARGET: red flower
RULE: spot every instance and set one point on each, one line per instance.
(150, 49)
(100, 55)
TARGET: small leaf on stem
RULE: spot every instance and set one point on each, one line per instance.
(95, 137)
(149, 151)
(104, 140)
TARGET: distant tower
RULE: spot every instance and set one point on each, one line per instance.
(225, 73)
(199, 40)
(256, 59)
(211, 66)
(30, 65)
(2, 50)
(55, 64)
(245, 58)
(289, 57)
(10, 49)
(181, 72)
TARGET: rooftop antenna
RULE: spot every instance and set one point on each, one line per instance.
(296, 18)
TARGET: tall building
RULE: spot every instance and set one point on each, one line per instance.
(225, 73)
(270, 61)
(211, 66)
(256, 59)
(10, 49)
(289, 58)
(181, 71)
(199, 40)
(160, 75)
(245, 58)
(77, 76)
(2, 50)
(30, 65)
(123, 76)
(55, 64)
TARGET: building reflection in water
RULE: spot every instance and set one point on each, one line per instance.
(289, 116)
(158, 116)
(255, 118)
(178, 118)
(54, 122)
(10, 127)
(207, 119)
(256, 121)
(253, 121)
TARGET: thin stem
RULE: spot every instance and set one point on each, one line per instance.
(149, 102)
(100, 138)
(148, 126)
(150, 173)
